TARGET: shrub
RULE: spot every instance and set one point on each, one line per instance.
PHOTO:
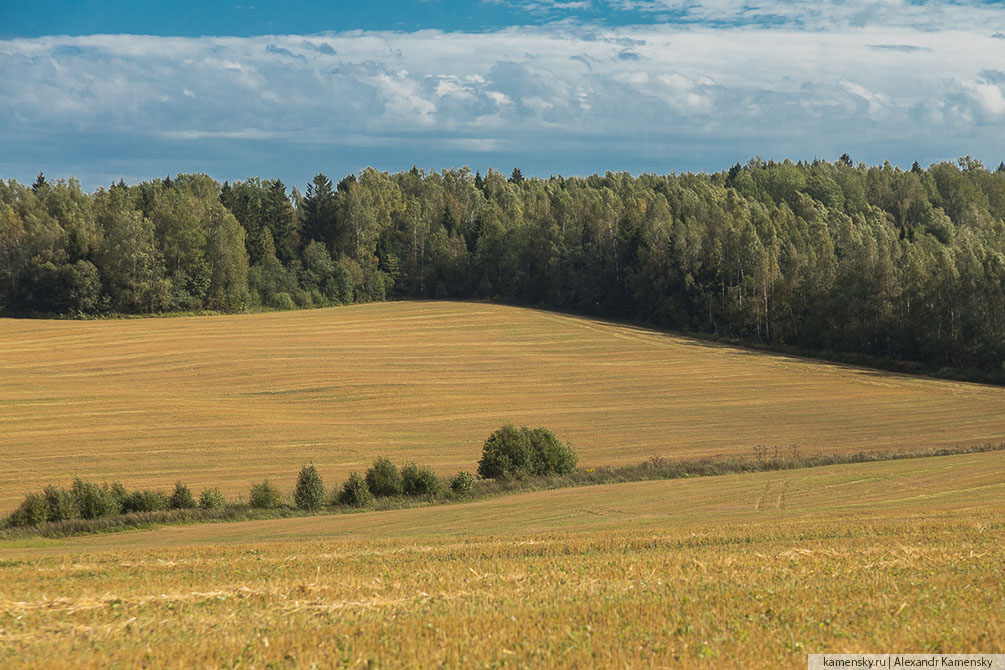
(355, 492)
(144, 501)
(32, 512)
(95, 501)
(212, 499)
(384, 479)
(181, 498)
(419, 481)
(62, 506)
(461, 483)
(118, 494)
(551, 457)
(265, 496)
(506, 453)
(310, 491)
(510, 452)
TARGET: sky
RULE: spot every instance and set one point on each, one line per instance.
(103, 91)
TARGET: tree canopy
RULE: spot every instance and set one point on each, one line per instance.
(834, 256)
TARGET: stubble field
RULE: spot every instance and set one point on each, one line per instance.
(222, 401)
(751, 570)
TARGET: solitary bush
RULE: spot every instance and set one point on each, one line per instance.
(95, 501)
(32, 512)
(511, 452)
(62, 506)
(181, 498)
(384, 479)
(310, 491)
(144, 501)
(212, 499)
(419, 481)
(265, 496)
(461, 483)
(355, 492)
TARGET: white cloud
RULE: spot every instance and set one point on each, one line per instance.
(656, 90)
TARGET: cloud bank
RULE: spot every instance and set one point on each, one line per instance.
(564, 97)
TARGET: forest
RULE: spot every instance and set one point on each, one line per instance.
(903, 265)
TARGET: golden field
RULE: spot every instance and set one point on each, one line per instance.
(225, 400)
(752, 570)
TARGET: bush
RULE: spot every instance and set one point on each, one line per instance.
(506, 453)
(551, 457)
(310, 491)
(384, 479)
(212, 499)
(181, 498)
(355, 492)
(95, 501)
(419, 481)
(32, 512)
(461, 483)
(144, 501)
(62, 506)
(265, 496)
(510, 452)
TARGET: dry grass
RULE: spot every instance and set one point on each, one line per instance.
(231, 399)
(751, 570)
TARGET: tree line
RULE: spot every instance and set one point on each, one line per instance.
(826, 256)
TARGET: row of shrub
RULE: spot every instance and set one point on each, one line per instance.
(382, 480)
(508, 454)
(87, 500)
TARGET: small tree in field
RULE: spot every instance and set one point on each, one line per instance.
(32, 512)
(506, 453)
(212, 499)
(62, 506)
(310, 491)
(519, 452)
(384, 479)
(419, 481)
(355, 492)
(181, 498)
(265, 496)
(461, 483)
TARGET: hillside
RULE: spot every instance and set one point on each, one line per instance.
(231, 399)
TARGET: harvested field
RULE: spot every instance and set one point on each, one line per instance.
(750, 570)
(230, 399)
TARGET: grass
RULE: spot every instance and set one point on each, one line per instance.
(228, 400)
(746, 570)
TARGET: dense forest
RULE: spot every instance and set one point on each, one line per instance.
(905, 265)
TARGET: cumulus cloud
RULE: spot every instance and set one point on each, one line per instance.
(657, 96)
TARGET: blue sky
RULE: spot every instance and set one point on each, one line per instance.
(133, 90)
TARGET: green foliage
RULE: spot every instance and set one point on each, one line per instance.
(93, 501)
(551, 457)
(310, 491)
(34, 510)
(212, 499)
(519, 452)
(823, 256)
(355, 492)
(265, 496)
(461, 483)
(181, 497)
(507, 453)
(62, 504)
(144, 500)
(384, 479)
(419, 480)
